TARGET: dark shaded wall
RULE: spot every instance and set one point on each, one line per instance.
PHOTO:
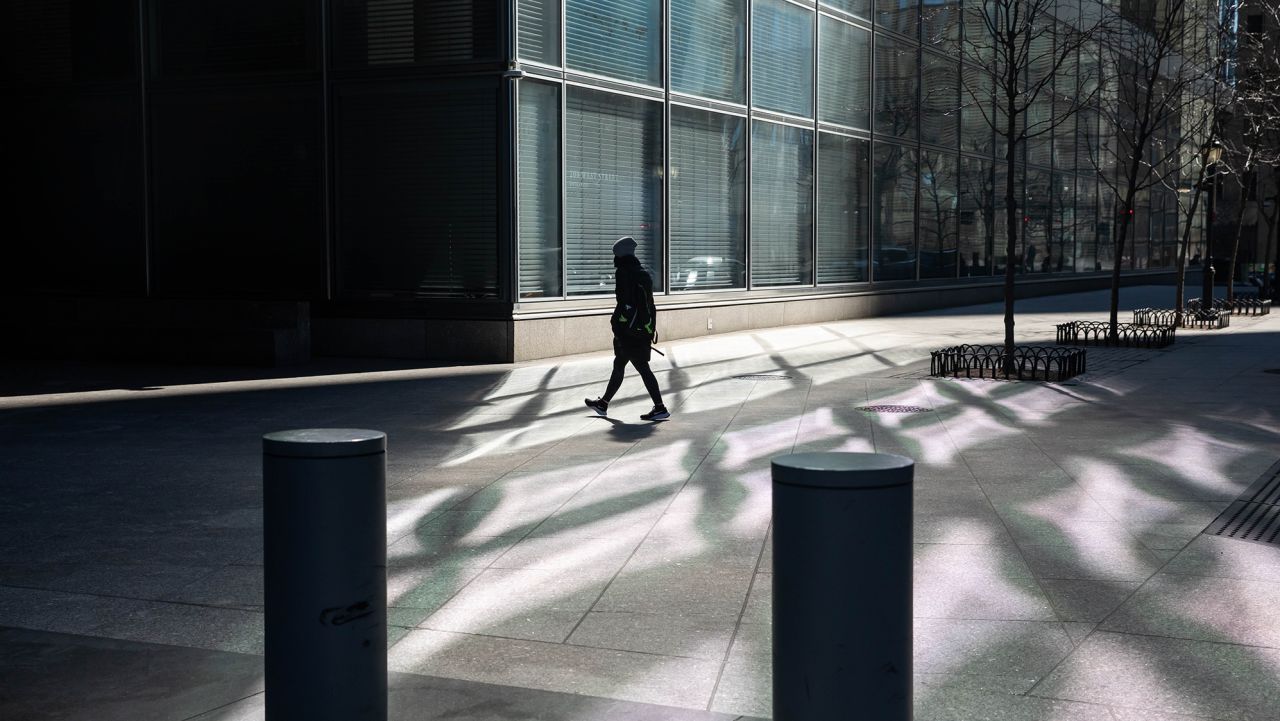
(343, 153)
(72, 148)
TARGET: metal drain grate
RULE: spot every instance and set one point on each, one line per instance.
(762, 377)
(1255, 515)
(894, 409)
(1248, 522)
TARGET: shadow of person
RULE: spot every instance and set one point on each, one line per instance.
(624, 432)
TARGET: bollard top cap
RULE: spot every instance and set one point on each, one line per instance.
(843, 470)
(324, 443)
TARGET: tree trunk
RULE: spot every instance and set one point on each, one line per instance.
(1235, 246)
(1180, 288)
(1011, 241)
(1130, 191)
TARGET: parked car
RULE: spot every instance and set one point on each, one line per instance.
(705, 272)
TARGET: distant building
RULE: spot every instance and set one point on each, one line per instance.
(444, 178)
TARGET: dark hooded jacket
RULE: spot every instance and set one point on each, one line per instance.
(634, 319)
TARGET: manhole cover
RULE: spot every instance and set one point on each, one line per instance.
(762, 377)
(894, 409)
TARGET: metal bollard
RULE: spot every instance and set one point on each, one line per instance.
(325, 558)
(842, 566)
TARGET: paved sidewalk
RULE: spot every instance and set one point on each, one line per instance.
(549, 564)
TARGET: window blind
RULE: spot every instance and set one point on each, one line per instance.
(708, 200)
(539, 30)
(842, 208)
(1063, 240)
(781, 204)
(894, 184)
(976, 216)
(861, 8)
(413, 32)
(782, 58)
(539, 189)
(618, 38)
(417, 205)
(232, 37)
(613, 185)
(897, 107)
(844, 72)
(939, 100)
(708, 48)
(938, 202)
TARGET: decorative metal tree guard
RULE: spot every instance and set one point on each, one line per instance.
(1189, 319)
(1243, 305)
(1037, 363)
(1250, 305)
(1128, 335)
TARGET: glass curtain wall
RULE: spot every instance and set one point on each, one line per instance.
(843, 217)
(708, 200)
(709, 49)
(781, 204)
(858, 148)
(538, 217)
(613, 185)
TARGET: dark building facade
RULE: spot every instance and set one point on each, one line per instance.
(444, 178)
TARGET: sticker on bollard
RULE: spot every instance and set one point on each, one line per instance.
(325, 568)
(842, 586)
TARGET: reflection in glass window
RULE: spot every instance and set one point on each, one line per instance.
(539, 31)
(708, 48)
(1086, 140)
(978, 47)
(896, 104)
(939, 201)
(539, 189)
(781, 204)
(1064, 136)
(617, 38)
(940, 25)
(844, 74)
(1039, 124)
(976, 216)
(613, 185)
(894, 213)
(1001, 176)
(1138, 246)
(1062, 250)
(708, 200)
(1108, 213)
(1172, 236)
(782, 58)
(860, 8)
(939, 100)
(976, 93)
(842, 208)
(1036, 222)
(1086, 224)
(897, 15)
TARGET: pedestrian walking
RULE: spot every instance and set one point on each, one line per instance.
(634, 323)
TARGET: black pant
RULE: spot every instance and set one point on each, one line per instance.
(646, 375)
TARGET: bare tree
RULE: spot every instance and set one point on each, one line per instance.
(1027, 46)
(1159, 58)
(1201, 115)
